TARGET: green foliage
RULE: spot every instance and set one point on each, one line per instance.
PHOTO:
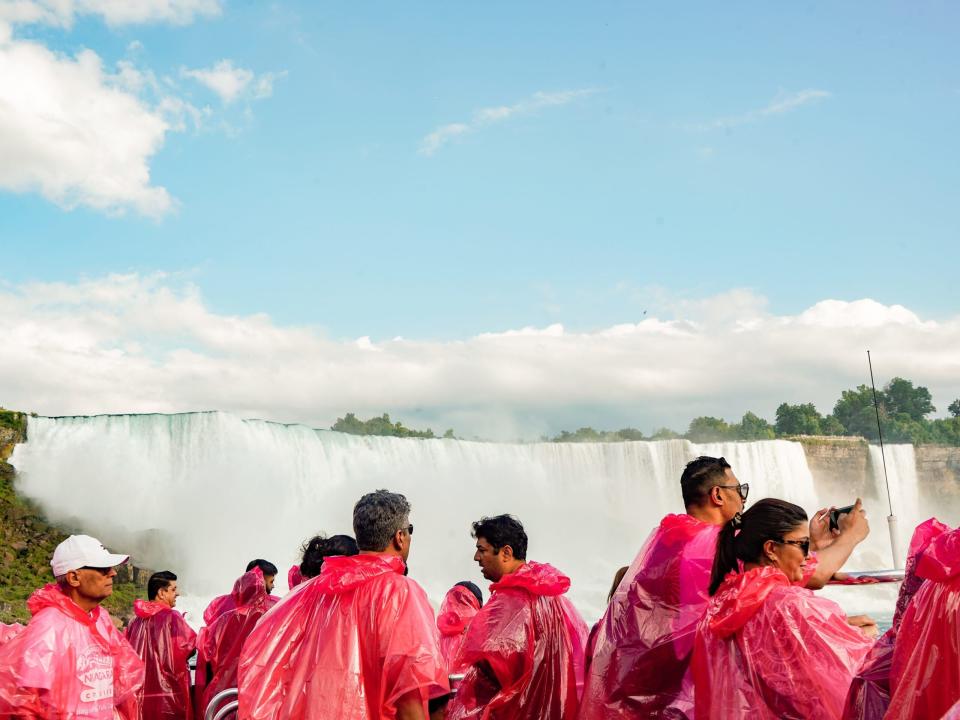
(900, 397)
(588, 434)
(753, 427)
(709, 429)
(855, 412)
(13, 420)
(954, 408)
(665, 434)
(382, 425)
(798, 420)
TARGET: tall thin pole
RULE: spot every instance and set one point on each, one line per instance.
(891, 518)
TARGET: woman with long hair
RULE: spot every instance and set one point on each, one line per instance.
(767, 647)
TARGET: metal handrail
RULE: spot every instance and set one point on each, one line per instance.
(227, 709)
(216, 701)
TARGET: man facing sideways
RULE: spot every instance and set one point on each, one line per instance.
(524, 648)
(70, 662)
(164, 641)
(358, 642)
(639, 665)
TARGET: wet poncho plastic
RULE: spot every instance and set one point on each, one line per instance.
(766, 649)
(457, 610)
(8, 632)
(68, 665)
(869, 695)
(925, 677)
(641, 651)
(347, 645)
(522, 651)
(220, 643)
(294, 577)
(164, 641)
(225, 603)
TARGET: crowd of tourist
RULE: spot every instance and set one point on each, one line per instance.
(717, 617)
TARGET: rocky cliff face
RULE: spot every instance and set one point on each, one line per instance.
(938, 471)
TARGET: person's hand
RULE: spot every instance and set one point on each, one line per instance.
(854, 523)
(821, 534)
(865, 624)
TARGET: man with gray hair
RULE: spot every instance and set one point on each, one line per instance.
(359, 641)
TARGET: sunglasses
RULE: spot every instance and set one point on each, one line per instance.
(743, 489)
(409, 529)
(804, 545)
(102, 570)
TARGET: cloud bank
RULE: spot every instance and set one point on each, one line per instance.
(128, 343)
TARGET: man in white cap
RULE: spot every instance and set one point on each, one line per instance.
(71, 663)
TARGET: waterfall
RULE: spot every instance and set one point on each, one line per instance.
(203, 493)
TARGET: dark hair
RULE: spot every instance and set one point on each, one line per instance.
(376, 518)
(472, 588)
(699, 476)
(318, 548)
(743, 539)
(500, 531)
(617, 579)
(266, 567)
(159, 581)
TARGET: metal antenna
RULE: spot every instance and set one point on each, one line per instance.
(891, 518)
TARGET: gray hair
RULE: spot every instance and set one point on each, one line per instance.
(377, 516)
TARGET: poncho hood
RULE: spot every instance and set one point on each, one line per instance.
(941, 560)
(341, 574)
(740, 597)
(147, 608)
(250, 589)
(458, 608)
(536, 578)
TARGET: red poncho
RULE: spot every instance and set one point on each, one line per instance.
(642, 647)
(522, 650)
(346, 645)
(869, 695)
(457, 610)
(164, 641)
(220, 643)
(9, 632)
(925, 677)
(295, 577)
(767, 650)
(68, 665)
(225, 603)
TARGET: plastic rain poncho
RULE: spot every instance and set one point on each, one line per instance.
(8, 632)
(925, 677)
(766, 649)
(869, 695)
(294, 577)
(220, 643)
(641, 651)
(346, 645)
(164, 641)
(522, 651)
(68, 665)
(457, 610)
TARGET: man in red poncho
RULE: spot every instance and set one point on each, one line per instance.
(925, 675)
(525, 647)
(461, 603)
(641, 656)
(70, 662)
(164, 641)
(358, 642)
(225, 603)
(220, 643)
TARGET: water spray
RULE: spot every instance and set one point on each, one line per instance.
(891, 518)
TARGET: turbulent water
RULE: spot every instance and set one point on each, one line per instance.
(202, 493)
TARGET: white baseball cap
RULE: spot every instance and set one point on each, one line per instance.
(79, 551)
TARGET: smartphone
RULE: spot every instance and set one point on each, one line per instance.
(835, 516)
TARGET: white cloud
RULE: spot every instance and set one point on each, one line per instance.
(231, 83)
(780, 105)
(136, 344)
(435, 140)
(76, 134)
(63, 13)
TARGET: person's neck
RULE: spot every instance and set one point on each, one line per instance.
(513, 567)
(709, 515)
(388, 551)
(86, 604)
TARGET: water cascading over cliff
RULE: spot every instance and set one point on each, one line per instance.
(203, 493)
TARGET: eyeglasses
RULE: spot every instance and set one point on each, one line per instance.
(743, 489)
(804, 545)
(101, 570)
(409, 529)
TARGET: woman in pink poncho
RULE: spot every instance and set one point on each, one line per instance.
(767, 648)
(461, 603)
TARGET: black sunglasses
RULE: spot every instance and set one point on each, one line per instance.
(743, 489)
(101, 570)
(410, 529)
(804, 545)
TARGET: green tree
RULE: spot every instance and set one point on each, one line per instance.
(901, 398)
(855, 413)
(954, 408)
(629, 434)
(753, 427)
(709, 429)
(382, 425)
(665, 433)
(798, 420)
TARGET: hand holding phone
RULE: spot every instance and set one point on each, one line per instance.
(835, 514)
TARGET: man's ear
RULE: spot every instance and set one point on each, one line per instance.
(73, 578)
(398, 540)
(507, 553)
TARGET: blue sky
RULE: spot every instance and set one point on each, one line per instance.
(664, 179)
